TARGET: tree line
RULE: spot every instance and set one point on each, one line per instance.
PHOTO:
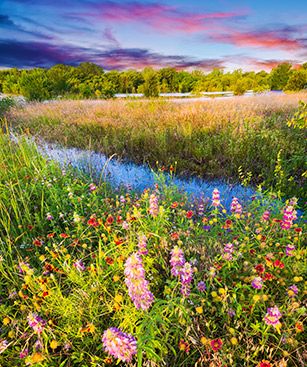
(89, 80)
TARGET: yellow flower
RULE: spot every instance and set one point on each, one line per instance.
(199, 310)
(232, 331)
(118, 298)
(259, 236)
(222, 291)
(204, 340)
(214, 294)
(265, 297)
(54, 344)
(6, 321)
(256, 298)
(234, 341)
(116, 278)
(11, 334)
(36, 358)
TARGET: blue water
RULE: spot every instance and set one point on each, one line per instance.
(139, 177)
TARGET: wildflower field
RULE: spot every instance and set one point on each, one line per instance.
(92, 276)
(219, 138)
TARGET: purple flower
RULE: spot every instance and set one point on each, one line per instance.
(138, 286)
(24, 353)
(177, 261)
(201, 286)
(49, 216)
(120, 345)
(207, 228)
(289, 250)
(229, 248)
(231, 312)
(3, 345)
(272, 316)
(266, 216)
(79, 265)
(142, 245)
(186, 277)
(92, 187)
(292, 291)
(36, 322)
(257, 283)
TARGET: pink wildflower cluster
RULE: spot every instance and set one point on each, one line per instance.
(138, 288)
(153, 205)
(228, 251)
(177, 261)
(120, 345)
(290, 249)
(235, 206)
(36, 322)
(257, 283)
(266, 216)
(216, 198)
(272, 316)
(181, 268)
(142, 245)
(289, 217)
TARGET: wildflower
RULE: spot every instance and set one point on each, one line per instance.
(186, 277)
(3, 345)
(235, 206)
(177, 261)
(278, 264)
(260, 268)
(142, 245)
(229, 248)
(23, 353)
(289, 250)
(257, 283)
(216, 344)
(216, 198)
(120, 345)
(189, 214)
(92, 222)
(49, 216)
(264, 363)
(201, 286)
(36, 322)
(92, 187)
(288, 217)
(266, 216)
(54, 344)
(153, 205)
(138, 288)
(184, 346)
(292, 290)
(125, 225)
(79, 265)
(207, 228)
(36, 358)
(272, 317)
(231, 312)
(299, 328)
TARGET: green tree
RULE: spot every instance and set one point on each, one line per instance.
(34, 85)
(279, 76)
(297, 80)
(151, 83)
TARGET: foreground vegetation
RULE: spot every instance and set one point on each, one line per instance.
(249, 137)
(90, 81)
(90, 277)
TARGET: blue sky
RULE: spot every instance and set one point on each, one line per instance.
(134, 34)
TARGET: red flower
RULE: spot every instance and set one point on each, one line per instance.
(298, 230)
(119, 219)
(110, 220)
(264, 363)
(175, 236)
(268, 276)
(174, 205)
(278, 264)
(50, 235)
(189, 214)
(184, 346)
(93, 222)
(37, 242)
(109, 260)
(64, 235)
(216, 344)
(260, 268)
(252, 251)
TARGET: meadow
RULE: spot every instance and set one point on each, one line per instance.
(242, 137)
(93, 277)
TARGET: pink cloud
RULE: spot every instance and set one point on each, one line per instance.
(159, 16)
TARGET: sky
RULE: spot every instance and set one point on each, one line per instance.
(185, 34)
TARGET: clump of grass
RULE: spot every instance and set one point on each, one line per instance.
(207, 139)
(216, 274)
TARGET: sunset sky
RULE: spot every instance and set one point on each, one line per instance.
(186, 34)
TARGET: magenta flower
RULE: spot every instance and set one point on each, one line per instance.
(216, 198)
(138, 286)
(120, 345)
(177, 261)
(79, 265)
(36, 322)
(153, 205)
(142, 245)
(266, 216)
(186, 277)
(92, 187)
(24, 353)
(289, 250)
(229, 248)
(272, 316)
(235, 206)
(257, 283)
(288, 217)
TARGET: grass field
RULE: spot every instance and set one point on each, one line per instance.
(208, 139)
(93, 278)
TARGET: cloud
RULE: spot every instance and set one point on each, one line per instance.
(158, 16)
(272, 39)
(38, 54)
(109, 36)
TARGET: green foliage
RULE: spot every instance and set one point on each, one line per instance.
(299, 120)
(34, 85)
(5, 104)
(279, 76)
(150, 87)
(297, 80)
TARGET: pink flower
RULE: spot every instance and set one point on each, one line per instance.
(142, 245)
(186, 277)
(36, 322)
(216, 198)
(153, 205)
(289, 250)
(289, 217)
(120, 345)
(266, 216)
(177, 261)
(257, 283)
(235, 206)
(272, 316)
